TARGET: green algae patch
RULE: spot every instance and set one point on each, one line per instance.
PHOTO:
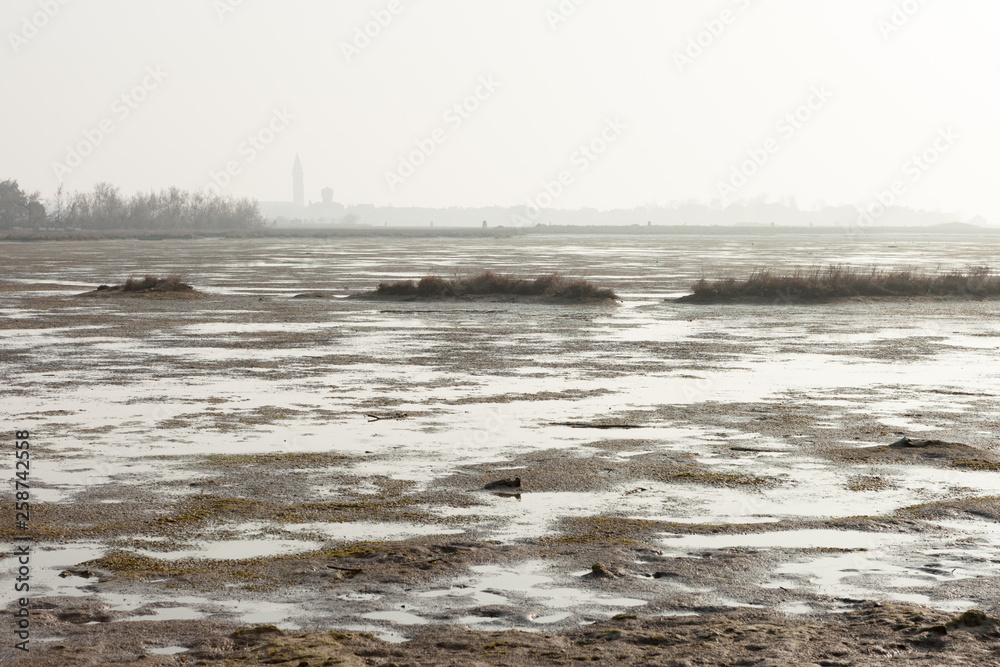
(130, 566)
(284, 460)
(604, 530)
(202, 509)
(869, 483)
(986, 507)
(720, 479)
(974, 621)
(265, 573)
(257, 631)
(344, 512)
(726, 528)
(976, 464)
(210, 509)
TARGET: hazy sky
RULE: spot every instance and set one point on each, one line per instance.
(819, 100)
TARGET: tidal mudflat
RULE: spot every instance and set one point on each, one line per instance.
(696, 482)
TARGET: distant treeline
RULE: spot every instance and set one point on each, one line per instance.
(106, 208)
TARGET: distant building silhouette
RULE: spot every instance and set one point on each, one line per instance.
(298, 184)
(297, 212)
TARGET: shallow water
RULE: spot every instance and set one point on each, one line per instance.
(483, 383)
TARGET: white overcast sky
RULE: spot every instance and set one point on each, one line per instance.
(686, 128)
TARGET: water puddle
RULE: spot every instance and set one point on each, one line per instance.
(523, 583)
(396, 617)
(790, 539)
(48, 562)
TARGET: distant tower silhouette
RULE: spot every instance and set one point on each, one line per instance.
(298, 186)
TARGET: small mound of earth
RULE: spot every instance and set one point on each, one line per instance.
(907, 450)
(171, 287)
(315, 295)
(967, 508)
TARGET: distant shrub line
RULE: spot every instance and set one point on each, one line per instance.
(840, 282)
(489, 283)
(106, 208)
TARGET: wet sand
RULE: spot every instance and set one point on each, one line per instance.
(698, 483)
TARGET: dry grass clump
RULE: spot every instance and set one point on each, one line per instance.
(840, 281)
(148, 283)
(492, 284)
(172, 286)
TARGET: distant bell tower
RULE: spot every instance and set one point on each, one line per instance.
(298, 186)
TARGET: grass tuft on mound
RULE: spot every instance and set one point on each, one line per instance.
(842, 282)
(172, 286)
(148, 283)
(489, 283)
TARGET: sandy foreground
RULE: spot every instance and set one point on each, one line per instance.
(248, 478)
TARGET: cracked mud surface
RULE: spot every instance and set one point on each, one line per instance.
(698, 484)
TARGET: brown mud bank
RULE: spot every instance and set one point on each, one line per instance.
(872, 634)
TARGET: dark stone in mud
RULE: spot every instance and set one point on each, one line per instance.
(595, 425)
(86, 574)
(906, 442)
(600, 571)
(391, 415)
(505, 484)
(495, 610)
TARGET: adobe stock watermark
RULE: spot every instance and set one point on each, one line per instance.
(35, 23)
(365, 34)
(496, 420)
(223, 8)
(712, 30)
(899, 17)
(912, 170)
(121, 108)
(248, 151)
(786, 127)
(579, 162)
(562, 13)
(454, 117)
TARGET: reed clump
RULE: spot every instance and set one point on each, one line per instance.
(490, 284)
(148, 283)
(835, 282)
(172, 287)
